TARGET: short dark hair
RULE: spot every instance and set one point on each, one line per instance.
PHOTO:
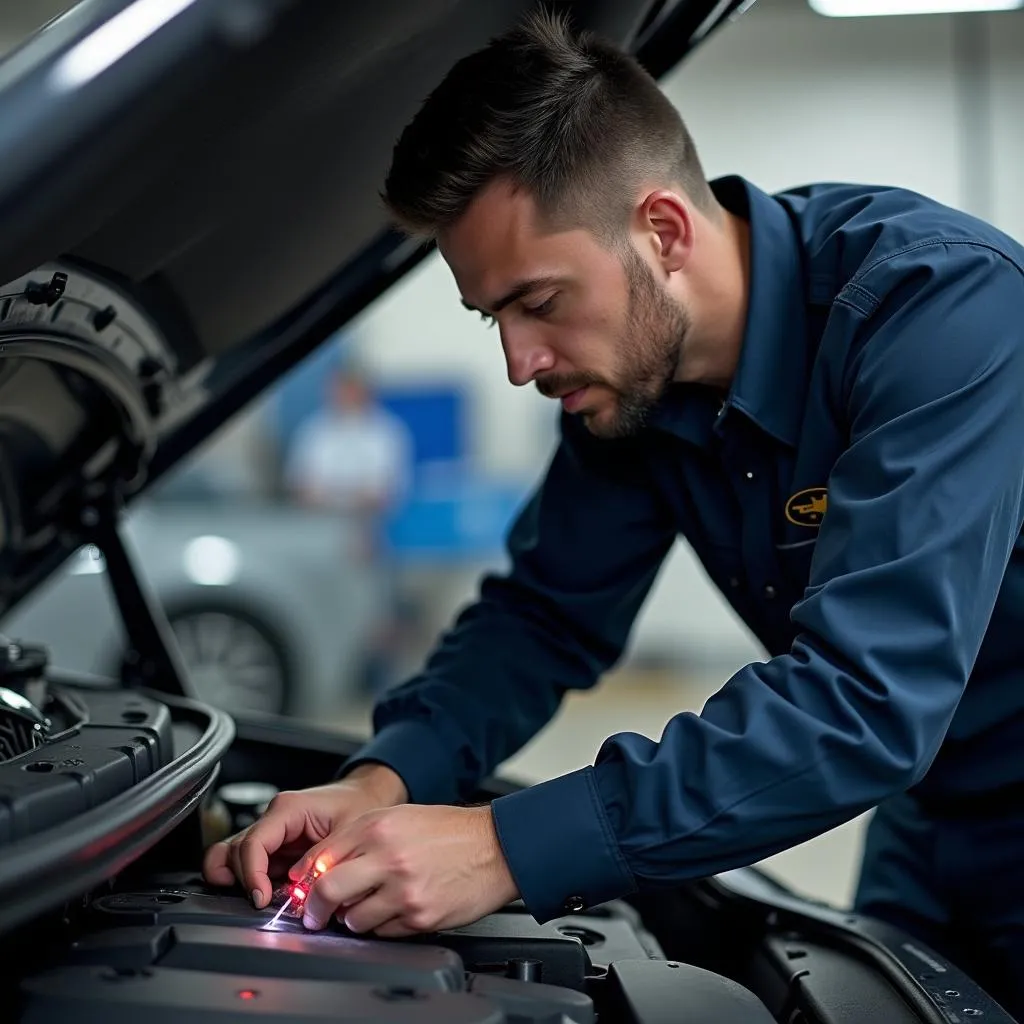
(567, 116)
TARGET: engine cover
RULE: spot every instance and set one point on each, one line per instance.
(176, 950)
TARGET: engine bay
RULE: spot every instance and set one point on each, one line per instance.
(165, 944)
(109, 795)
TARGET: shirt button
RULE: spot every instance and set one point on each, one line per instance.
(574, 904)
(770, 592)
(734, 582)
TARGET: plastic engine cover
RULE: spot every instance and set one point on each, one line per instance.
(124, 738)
(217, 972)
(104, 995)
(566, 951)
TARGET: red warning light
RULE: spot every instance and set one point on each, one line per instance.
(299, 893)
(248, 993)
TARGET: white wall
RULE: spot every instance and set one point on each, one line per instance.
(785, 96)
(1006, 42)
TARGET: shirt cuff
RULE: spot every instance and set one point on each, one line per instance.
(413, 750)
(560, 847)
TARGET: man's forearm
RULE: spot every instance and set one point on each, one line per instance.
(383, 782)
(555, 622)
(493, 682)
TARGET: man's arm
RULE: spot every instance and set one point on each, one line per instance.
(584, 553)
(301, 467)
(924, 508)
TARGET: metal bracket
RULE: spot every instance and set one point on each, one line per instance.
(152, 658)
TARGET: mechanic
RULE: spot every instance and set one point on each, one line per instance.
(823, 391)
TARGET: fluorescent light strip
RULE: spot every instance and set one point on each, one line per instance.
(875, 8)
(113, 40)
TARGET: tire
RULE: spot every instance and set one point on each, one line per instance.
(235, 661)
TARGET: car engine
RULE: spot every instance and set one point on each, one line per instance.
(161, 945)
(109, 795)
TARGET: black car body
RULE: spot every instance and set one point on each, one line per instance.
(188, 197)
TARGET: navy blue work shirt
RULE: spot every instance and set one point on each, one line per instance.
(857, 497)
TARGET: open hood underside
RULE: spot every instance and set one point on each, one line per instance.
(189, 203)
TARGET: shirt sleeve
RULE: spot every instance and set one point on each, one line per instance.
(925, 505)
(584, 552)
(303, 458)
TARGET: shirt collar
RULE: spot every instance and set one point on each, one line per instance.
(770, 383)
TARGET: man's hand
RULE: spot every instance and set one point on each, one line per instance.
(408, 869)
(292, 823)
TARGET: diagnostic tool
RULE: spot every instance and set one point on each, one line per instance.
(295, 894)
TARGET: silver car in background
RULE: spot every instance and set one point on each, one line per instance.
(271, 604)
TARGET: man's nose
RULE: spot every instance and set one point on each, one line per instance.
(525, 358)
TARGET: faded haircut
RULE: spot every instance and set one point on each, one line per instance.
(568, 117)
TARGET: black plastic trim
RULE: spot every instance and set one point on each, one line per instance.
(43, 871)
(679, 29)
(151, 658)
(886, 948)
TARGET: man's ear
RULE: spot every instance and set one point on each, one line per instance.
(667, 226)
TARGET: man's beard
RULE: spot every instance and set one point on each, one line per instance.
(650, 349)
(652, 346)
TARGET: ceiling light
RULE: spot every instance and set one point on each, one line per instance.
(874, 8)
(115, 38)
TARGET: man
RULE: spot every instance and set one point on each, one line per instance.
(352, 456)
(824, 392)
(355, 458)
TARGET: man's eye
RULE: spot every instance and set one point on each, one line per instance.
(544, 309)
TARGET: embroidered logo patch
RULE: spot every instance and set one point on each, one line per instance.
(807, 507)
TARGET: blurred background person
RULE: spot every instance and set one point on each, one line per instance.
(354, 457)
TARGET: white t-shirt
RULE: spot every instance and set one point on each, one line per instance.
(343, 457)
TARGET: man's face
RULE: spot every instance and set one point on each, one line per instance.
(348, 392)
(587, 325)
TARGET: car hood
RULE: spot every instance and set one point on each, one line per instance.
(189, 197)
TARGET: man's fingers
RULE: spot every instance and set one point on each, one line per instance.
(261, 841)
(345, 883)
(217, 864)
(325, 854)
(373, 912)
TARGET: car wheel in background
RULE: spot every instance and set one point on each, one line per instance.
(235, 661)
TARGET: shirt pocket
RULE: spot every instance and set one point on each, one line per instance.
(794, 558)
